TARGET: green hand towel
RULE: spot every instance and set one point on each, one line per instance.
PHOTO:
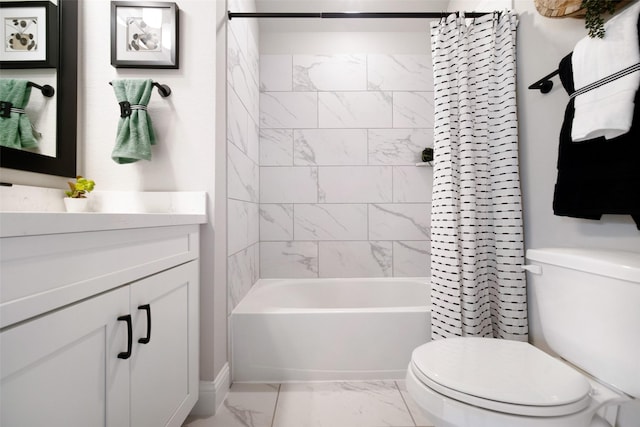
(135, 133)
(16, 131)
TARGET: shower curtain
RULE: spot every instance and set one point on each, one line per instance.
(478, 288)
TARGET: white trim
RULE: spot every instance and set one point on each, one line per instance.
(212, 394)
(222, 383)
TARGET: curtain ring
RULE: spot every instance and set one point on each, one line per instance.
(496, 18)
(443, 19)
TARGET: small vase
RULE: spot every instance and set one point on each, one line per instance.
(76, 204)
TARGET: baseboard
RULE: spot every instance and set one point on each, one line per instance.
(222, 384)
(212, 394)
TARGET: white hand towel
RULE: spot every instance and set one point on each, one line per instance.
(607, 110)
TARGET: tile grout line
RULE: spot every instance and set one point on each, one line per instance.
(275, 407)
(405, 403)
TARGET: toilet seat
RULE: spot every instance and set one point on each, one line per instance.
(499, 375)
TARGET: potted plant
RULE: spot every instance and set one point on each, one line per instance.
(76, 200)
(594, 9)
(591, 10)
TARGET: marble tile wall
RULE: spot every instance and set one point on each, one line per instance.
(243, 155)
(340, 194)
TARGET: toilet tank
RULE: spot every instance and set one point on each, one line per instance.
(588, 305)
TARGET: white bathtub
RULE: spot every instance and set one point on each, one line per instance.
(329, 329)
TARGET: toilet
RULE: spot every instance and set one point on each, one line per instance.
(587, 305)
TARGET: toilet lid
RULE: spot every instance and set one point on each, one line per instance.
(492, 373)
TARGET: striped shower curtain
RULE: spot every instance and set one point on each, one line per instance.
(478, 288)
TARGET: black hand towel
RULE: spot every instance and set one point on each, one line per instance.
(597, 176)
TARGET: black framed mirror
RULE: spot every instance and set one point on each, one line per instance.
(64, 161)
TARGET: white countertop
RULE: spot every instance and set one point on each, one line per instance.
(29, 211)
(13, 224)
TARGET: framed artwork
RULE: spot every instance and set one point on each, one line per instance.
(29, 34)
(144, 35)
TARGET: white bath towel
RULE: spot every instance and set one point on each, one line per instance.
(607, 110)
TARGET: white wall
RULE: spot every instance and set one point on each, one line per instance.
(182, 122)
(185, 154)
(542, 43)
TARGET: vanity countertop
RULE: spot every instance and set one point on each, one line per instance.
(13, 224)
(33, 211)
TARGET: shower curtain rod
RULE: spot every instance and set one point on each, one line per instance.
(351, 15)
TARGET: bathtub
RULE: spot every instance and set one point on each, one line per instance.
(328, 329)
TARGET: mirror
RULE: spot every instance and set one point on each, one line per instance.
(62, 161)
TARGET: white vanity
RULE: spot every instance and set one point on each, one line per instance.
(99, 318)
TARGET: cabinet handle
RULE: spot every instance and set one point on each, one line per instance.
(147, 308)
(126, 354)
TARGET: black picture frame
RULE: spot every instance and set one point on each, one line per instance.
(45, 40)
(144, 35)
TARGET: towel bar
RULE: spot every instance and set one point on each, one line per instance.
(545, 84)
(46, 90)
(163, 90)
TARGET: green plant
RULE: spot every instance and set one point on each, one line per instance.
(594, 22)
(78, 189)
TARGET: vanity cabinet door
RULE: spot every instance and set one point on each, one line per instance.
(62, 369)
(164, 370)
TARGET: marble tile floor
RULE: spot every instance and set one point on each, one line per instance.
(317, 404)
